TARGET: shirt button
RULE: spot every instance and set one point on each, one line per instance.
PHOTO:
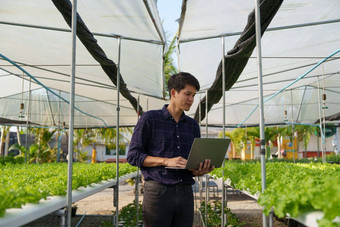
(178, 147)
(177, 136)
(176, 125)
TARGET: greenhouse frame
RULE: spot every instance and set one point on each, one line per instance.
(116, 63)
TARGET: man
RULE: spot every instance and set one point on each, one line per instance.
(163, 138)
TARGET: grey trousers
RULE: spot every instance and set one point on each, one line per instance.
(167, 205)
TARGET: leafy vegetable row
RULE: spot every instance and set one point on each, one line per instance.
(290, 188)
(28, 183)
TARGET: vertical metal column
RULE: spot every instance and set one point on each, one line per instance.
(323, 116)
(117, 134)
(200, 178)
(71, 117)
(59, 127)
(137, 177)
(260, 92)
(28, 120)
(163, 74)
(292, 111)
(320, 119)
(206, 176)
(224, 203)
(177, 53)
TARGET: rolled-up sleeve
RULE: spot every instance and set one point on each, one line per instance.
(137, 150)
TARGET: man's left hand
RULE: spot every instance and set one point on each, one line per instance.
(203, 168)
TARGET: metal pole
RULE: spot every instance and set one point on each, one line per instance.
(260, 91)
(28, 120)
(163, 74)
(323, 116)
(320, 120)
(200, 178)
(110, 35)
(224, 202)
(61, 132)
(137, 177)
(177, 53)
(267, 30)
(206, 176)
(293, 138)
(71, 111)
(117, 134)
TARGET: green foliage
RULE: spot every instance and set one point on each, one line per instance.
(127, 215)
(11, 160)
(28, 183)
(214, 215)
(290, 188)
(239, 136)
(131, 181)
(304, 133)
(41, 151)
(20, 148)
(109, 136)
(169, 67)
(81, 139)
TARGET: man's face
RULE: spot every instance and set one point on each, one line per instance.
(184, 98)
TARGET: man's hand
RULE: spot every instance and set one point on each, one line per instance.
(175, 162)
(203, 168)
(151, 161)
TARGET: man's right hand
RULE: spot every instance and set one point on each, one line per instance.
(151, 161)
(175, 162)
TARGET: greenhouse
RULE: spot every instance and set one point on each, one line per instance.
(77, 70)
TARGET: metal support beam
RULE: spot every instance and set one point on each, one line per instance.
(292, 111)
(320, 120)
(206, 176)
(117, 134)
(224, 201)
(260, 92)
(137, 177)
(71, 124)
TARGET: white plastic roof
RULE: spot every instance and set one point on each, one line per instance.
(301, 34)
(35, 35)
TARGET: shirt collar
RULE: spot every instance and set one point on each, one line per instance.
(167, 115)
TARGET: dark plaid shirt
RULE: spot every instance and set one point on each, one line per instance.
(157, 134)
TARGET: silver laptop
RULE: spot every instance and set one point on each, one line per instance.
(206, 148)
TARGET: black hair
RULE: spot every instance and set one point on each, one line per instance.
(179, 80)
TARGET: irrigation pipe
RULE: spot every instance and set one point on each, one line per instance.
(290, 84)
(47, 88)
